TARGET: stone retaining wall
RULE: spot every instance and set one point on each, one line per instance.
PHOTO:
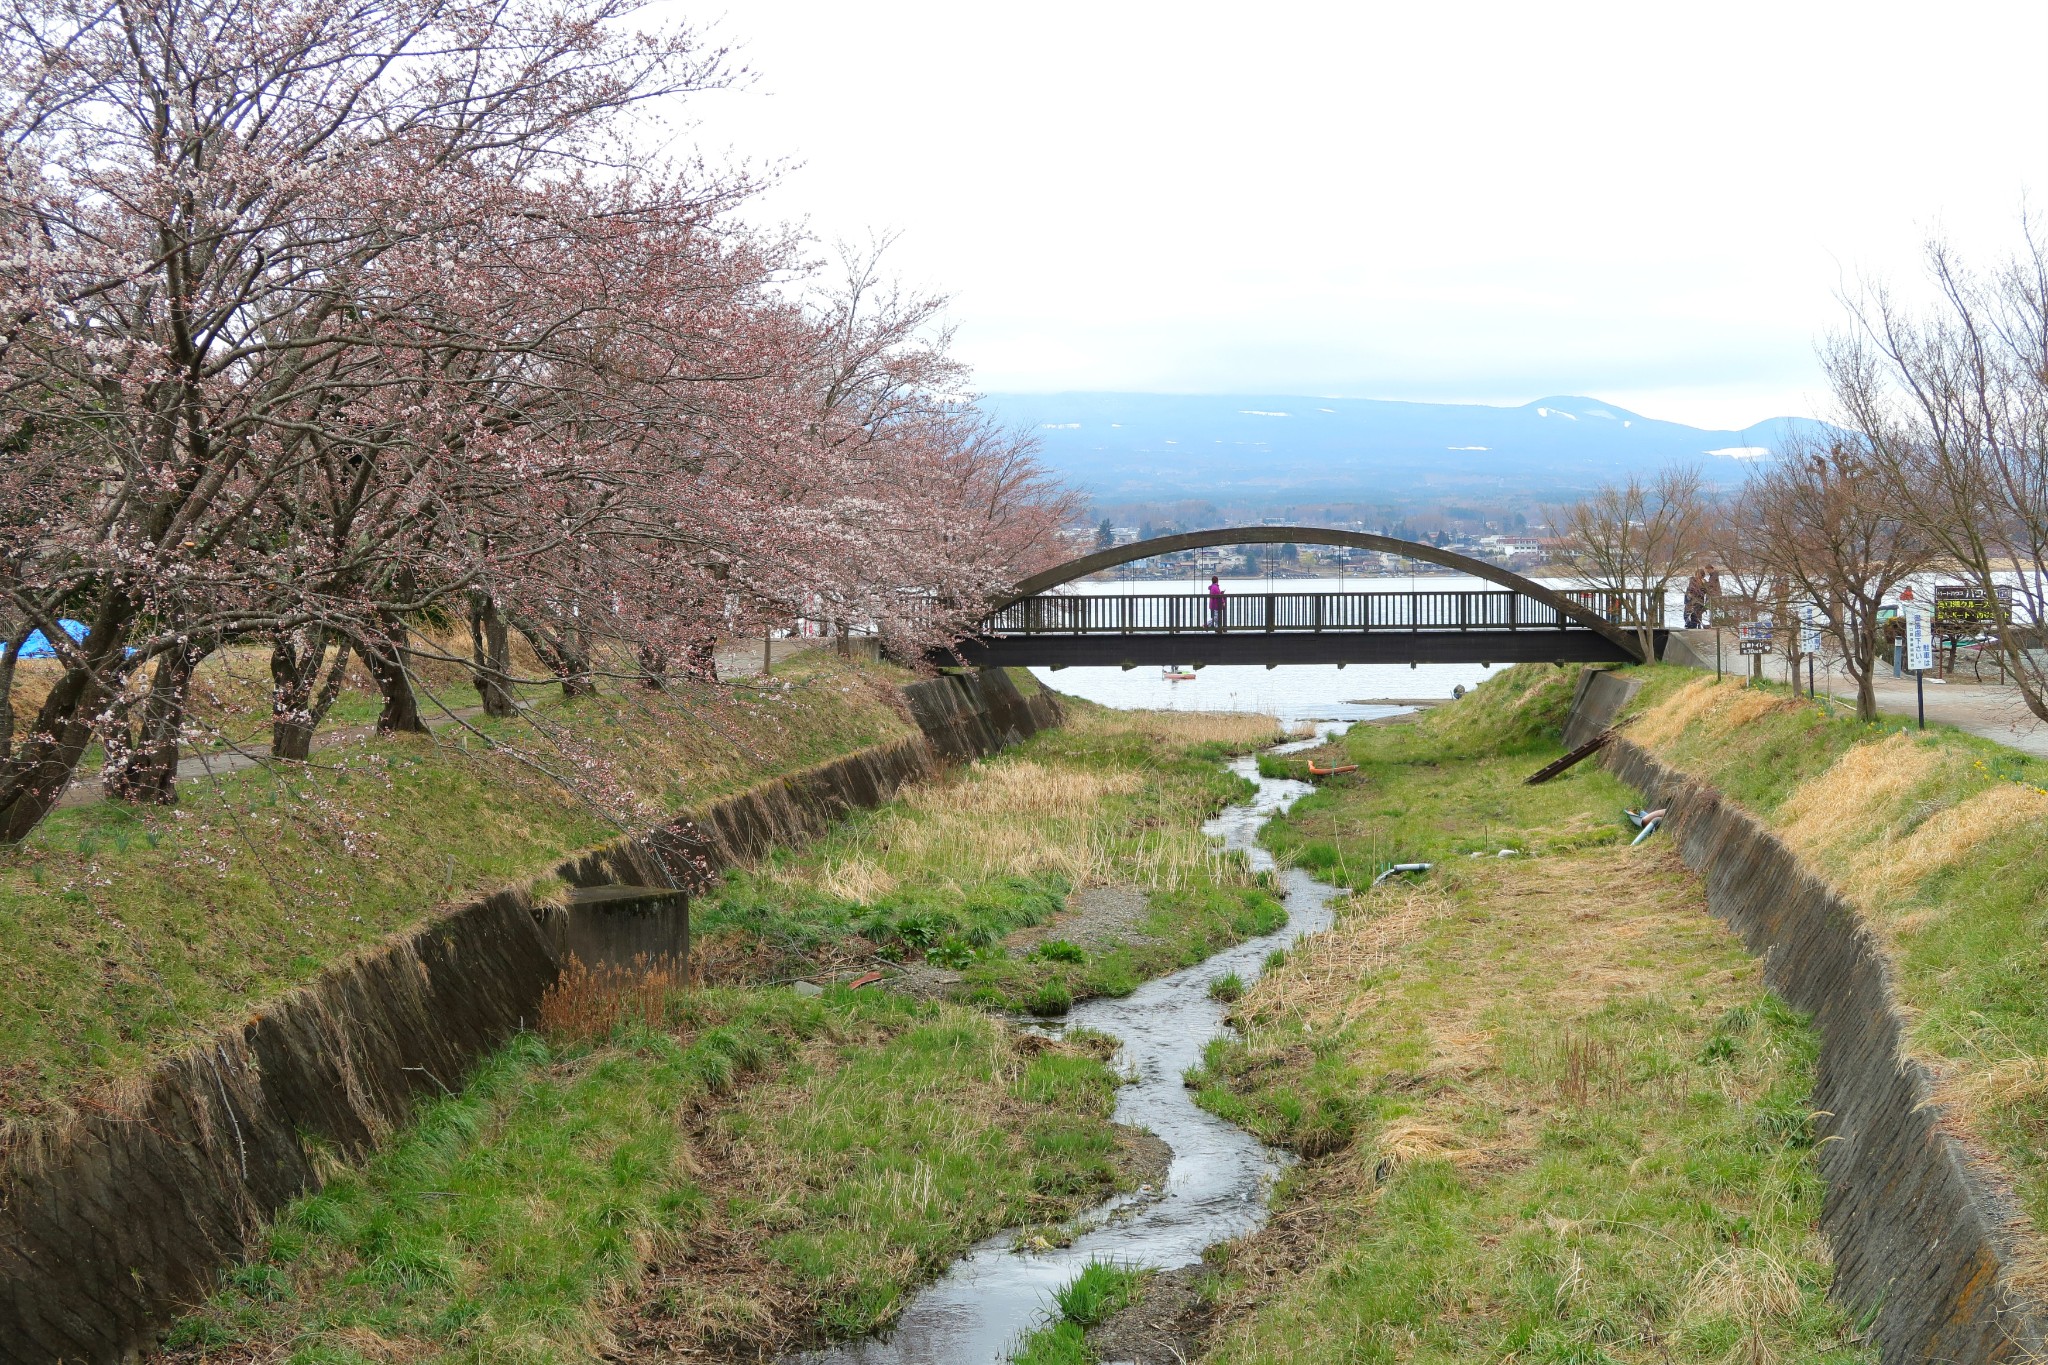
(1919, 1229)
(111, 1221)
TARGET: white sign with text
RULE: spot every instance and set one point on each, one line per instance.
(1917, 618)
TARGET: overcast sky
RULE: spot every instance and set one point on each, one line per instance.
(1652, 204)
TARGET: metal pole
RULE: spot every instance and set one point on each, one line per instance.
(1717, 651)
(1920, 690)
(1809, 677)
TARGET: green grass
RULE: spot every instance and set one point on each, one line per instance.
(125, 934)
(1182, 928)
(1553, 1114)
(944, 875)
(1088, 1300)
(1964, 916)
(831, 1151)
(1450, 786)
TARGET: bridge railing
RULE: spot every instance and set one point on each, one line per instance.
(1169, 613)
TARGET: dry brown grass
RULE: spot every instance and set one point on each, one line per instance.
(1661, 724)
(1024, 788)
(1746, 1283)
(1237, 729)
(1860, 824)
(587, 1003)
(1013, 817)
(1708, 705)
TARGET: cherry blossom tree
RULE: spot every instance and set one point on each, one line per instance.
(319, 324)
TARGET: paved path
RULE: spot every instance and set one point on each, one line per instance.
(86, 788)
(1992, 710)
(736, 659)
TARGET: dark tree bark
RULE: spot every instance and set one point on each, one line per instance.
(142, 765)
(390, 665)
(567, 654)
(700, 661)
(653, 668)
(299, 697)
(10, 654)
(490, 652)
(39, 770)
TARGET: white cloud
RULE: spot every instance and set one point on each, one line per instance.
(1464, 447)
(1254, 412)
(1741, 453)
(1665, 278)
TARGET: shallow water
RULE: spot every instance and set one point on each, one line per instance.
(1217, 1186)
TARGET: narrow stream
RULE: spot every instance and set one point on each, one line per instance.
(1217, 1186)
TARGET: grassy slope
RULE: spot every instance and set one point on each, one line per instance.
(557, 1209)
(125, 933)
(1937, 838)
(1558, 1118)
(712, 1169)
(947, 871)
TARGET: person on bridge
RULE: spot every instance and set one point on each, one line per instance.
(1696, 599)
(1215, 603)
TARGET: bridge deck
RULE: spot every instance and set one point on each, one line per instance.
(1415, 626)
(1138, 613)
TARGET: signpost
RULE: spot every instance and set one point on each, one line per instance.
(1754, 637)
(1809, 643)
(1916, 619)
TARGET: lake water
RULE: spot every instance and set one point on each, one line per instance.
(1291, 691)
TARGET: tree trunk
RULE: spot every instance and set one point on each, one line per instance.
(292, 671)
(567, 655)
(296, 708)
(700, 661)
(2026, 673)
(41, 766)
(653, 668)
(490, 652)
(10, 655)
(390, 665)
(577, 678)
(143, 769)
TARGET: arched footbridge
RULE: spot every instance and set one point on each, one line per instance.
(1293, 622)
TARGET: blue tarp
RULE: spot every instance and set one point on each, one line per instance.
(38, 645)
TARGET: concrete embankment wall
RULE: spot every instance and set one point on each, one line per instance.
(1917, 1225)
(111, 1221)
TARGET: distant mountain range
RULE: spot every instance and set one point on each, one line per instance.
(1264, 448)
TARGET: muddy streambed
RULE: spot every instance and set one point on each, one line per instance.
(1217, 1185)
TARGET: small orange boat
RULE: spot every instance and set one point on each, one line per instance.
(1315, 770)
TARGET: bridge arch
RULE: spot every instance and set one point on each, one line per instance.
(1316, 535)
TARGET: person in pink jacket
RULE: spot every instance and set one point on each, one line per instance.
(1215, 603)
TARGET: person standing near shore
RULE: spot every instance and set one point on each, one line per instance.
(1215, 603)
(1695, 599)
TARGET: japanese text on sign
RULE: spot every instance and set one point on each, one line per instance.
(1917, 620)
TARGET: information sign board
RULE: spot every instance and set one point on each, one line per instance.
(1962, 609)
(1917, 620)
(1809, 628)
(1754, 636)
